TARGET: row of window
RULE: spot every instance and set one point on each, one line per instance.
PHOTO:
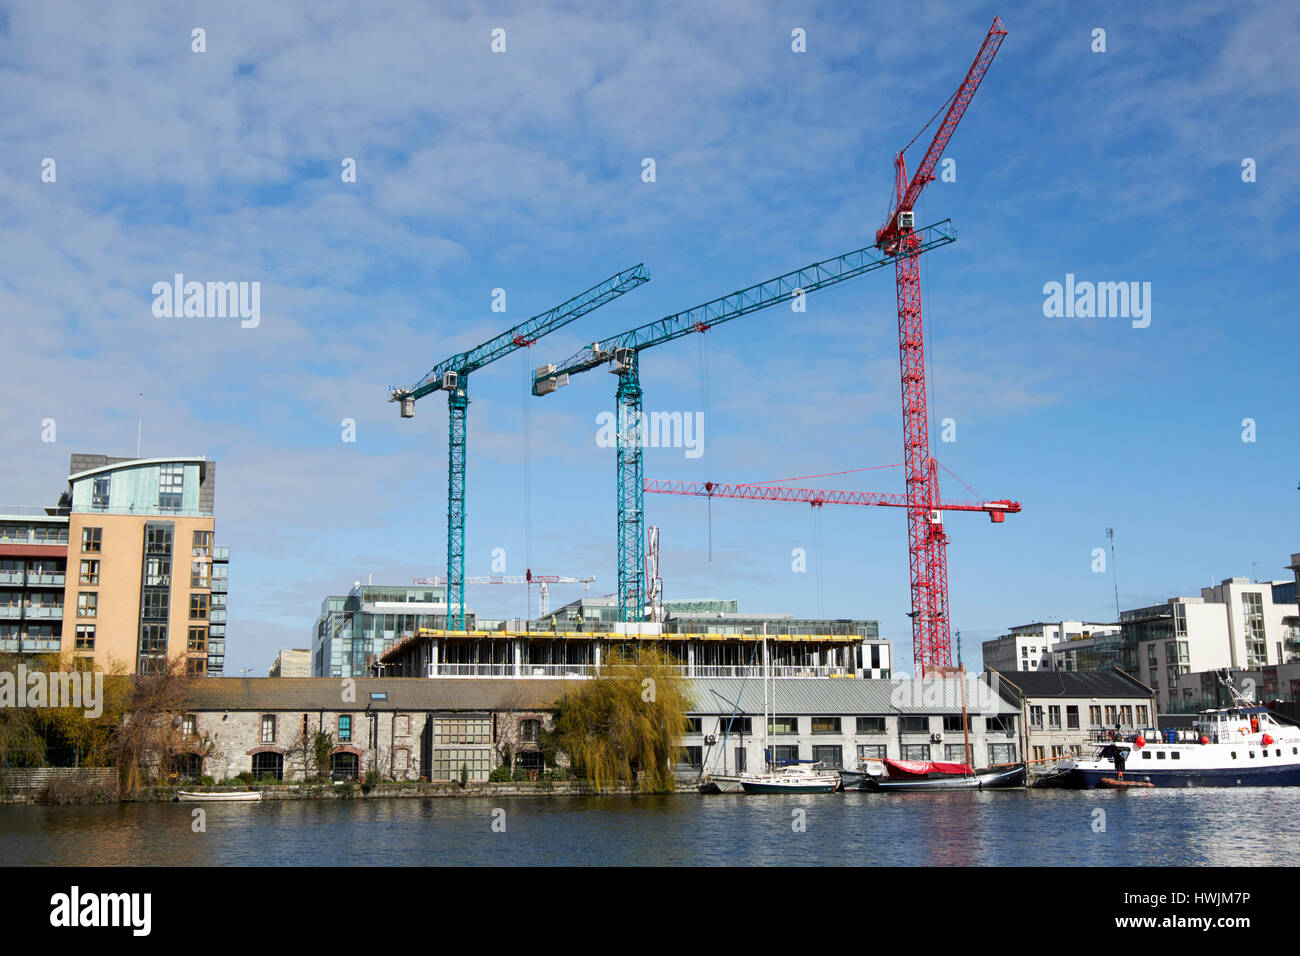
(832, 755)
(446, 730)
(1113, 714)
(158, 540)
(907, 724)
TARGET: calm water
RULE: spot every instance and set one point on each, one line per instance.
(1158, 827)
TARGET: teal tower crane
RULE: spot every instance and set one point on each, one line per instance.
(622, 352)
(452, 376)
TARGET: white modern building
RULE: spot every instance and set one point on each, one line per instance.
(1033, 647)
(1235, 624)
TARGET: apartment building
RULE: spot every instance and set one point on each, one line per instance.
(140, 564)
(33, 570)
(356, 629)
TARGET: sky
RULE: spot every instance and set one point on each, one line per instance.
(522, 170)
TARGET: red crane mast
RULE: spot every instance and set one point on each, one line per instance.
(927, 543)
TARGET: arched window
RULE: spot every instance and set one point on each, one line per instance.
(344, 765)
(268, 764)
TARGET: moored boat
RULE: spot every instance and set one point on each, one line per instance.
(1244, 745)
(797, 778)
(227, 796)
(907, 776)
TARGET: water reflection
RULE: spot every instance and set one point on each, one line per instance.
(1154, 827)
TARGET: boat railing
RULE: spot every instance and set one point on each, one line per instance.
(1101, 735)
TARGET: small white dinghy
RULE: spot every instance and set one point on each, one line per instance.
(230, 796)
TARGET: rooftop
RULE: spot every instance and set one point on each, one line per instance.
(1075, 684)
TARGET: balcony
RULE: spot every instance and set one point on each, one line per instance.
(555, 671)
(11, 577)
(44, 579)
(47, 612)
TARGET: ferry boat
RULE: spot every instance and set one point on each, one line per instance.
(1244, 745)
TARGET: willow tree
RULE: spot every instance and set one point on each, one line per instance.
(627, 723)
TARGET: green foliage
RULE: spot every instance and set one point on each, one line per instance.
(322, 745)
(627, 724)
(464, 774)
(500, 775)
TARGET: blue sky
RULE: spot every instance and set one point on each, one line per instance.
(522, 171)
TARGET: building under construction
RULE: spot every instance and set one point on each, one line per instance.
(708, 638)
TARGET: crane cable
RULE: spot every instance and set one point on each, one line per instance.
(524, 411)
(706, 429)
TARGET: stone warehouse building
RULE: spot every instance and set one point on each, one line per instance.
(406, 729)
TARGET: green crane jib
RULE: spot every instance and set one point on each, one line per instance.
(622, 352)
(452, 376)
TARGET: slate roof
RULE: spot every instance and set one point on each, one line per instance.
(1075, 684)
(812, 695)
(834, 696)
(404, 693)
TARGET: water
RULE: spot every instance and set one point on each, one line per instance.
(1247, 827)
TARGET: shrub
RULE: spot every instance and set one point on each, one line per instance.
(500, 775)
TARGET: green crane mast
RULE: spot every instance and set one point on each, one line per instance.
(452, 376)
(623, 352)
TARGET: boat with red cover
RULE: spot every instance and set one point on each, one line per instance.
(904, 775)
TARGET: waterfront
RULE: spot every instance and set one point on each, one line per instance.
(1239, 827)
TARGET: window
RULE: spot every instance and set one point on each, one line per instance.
(694, 725)
(1142, 715)
(199, 574)
(99, 492)
(956, 753)
(202, 543)
(158, 539)
(157, 571)
(916, 751)
(953, 723)
(914, 724)
(1002, 753)
(692, 757)
(530, 730)
(872, 752)
(1110, 715)
(196, 666)
(829, 755)
(199, 607)
(1146, 755)
(1054, 716)
(871, 725)
(785, 725)
(741, 763)
(268, 729)
(1036, 717)
(1126, 715)
(89, 572)
(85, 637)
(153, 638)
(461, 730)
(268, 764)
(1071, 716)
(448, 763)
(153, 606)
(197, 640)
(785, 753)
(1094, 715)
(826, 725)
(1175, 755)
(1038, 753)
(345, 728)
(1001, 724)
(92, 540)
(188, 725)
(1160, 755)
(735, 725)
(87, 603)
(171, 486)
(402, 728)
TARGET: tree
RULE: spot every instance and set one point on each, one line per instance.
(150, 735)
(627, 724)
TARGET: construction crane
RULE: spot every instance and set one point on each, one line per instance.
(927, 544)
(817, 497)
(622, 353)
(452, 376)
(541, 580)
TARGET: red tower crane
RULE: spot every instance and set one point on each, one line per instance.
(927, 544)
